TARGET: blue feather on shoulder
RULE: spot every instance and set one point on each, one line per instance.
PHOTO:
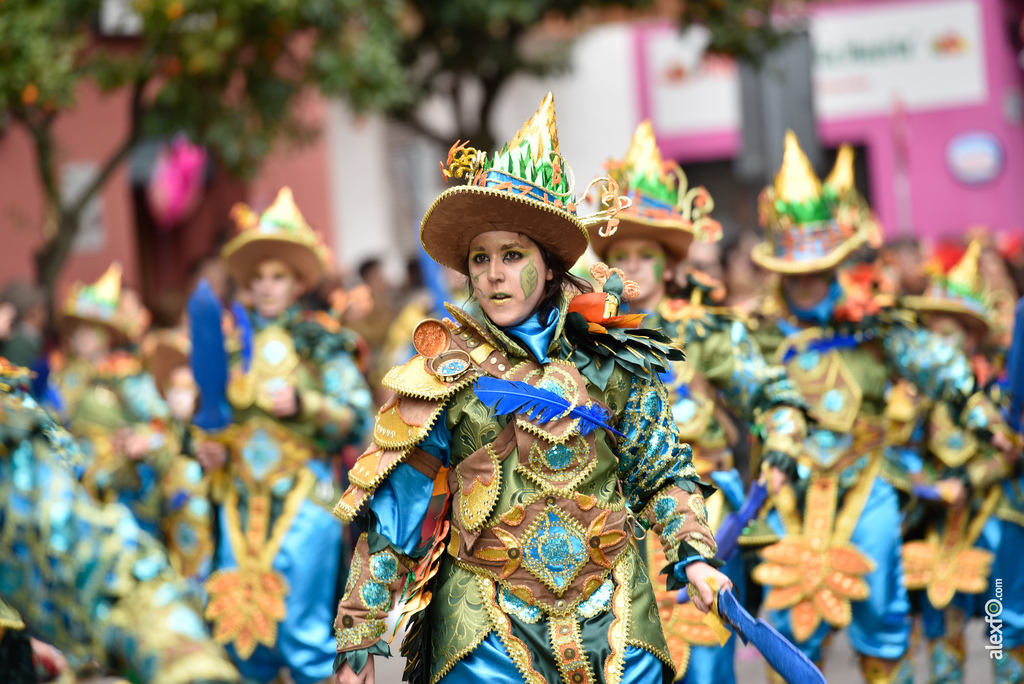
(514, 396)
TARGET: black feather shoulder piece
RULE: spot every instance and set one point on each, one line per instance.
(596, 342)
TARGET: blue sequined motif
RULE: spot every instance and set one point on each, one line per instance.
(514, 605)
(598, 602)
(826, 446)
(384, 567)
(375, 596)
(559, 457)
(651, 456)
(262, 453)
(833, 401)
(554, 549)
(664, 507)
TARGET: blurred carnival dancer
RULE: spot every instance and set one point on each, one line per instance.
(82, 575)
(965, 533)
(186, 518)
(838, 564)
(654, 235)
(109, 401)
(297, 397)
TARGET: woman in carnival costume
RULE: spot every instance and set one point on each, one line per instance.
(833, 507)
(964, 531)
(297, 397)
(109, 401)
(654, 234)
(185, 522)
(82, 574)
(510, 412)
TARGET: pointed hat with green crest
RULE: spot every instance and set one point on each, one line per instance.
(961, 291)
(525, 188)
(98, 303)
(280, 232)
(663, 207)
(799, 215)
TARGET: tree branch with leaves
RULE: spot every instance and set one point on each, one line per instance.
(227, 73)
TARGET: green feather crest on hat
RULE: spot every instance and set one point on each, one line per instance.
(644, 169)
(533, 155)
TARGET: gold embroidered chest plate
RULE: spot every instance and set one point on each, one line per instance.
(274, 361)
(825, 381)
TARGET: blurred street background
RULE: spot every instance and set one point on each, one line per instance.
(129, 129)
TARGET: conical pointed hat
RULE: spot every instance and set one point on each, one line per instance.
(851, 212)
(281, 232)
(960, 291)
(525, 188)
(98, 302)
(802, 234)
(664, 209)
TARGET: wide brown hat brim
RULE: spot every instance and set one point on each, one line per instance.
(163, 360)
(762, 256)
(247, 251)
(462, 213)
(926, 305)
(669, 234)
(69, 320)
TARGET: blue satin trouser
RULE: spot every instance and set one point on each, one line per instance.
(308, 560)
(881, 624)
(490, 662)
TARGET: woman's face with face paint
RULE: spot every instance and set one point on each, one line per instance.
(507, 274)
(645, 262)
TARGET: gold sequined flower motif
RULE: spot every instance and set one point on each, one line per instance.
(245, 607)
(962, 570)
(816, 584)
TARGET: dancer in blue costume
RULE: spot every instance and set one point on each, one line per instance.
(653, 235)
(841, 346)
(1003, 535)
(110, 402)
(963, 548)
(945, 555)
(529, 573)
(186, 521)
(298, 397)
(82, 575)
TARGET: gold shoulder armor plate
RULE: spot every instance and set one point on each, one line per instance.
(412, 379)
(404, 421)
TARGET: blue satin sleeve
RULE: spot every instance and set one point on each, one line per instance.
(400, 518)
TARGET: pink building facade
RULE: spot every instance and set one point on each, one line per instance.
(931, 88)
(156, 262)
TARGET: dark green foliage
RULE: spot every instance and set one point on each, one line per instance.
(466, 50)
(739, 28)
(228, 73)
(639, 351)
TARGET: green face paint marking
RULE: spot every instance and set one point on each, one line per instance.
(528, 279)
(659, 267)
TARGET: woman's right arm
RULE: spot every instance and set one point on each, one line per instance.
(396, 488)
